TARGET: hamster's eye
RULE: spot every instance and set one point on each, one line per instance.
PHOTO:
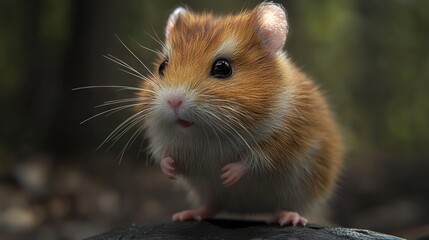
(162, 67)
(221, 68)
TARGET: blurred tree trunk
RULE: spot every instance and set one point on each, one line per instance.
(91, 23)
(30, 112)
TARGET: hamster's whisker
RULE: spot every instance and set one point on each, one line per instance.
(161, 43)
(138, 59)
(117, 101)
(132, 122)
(136, 104)
(237, 111)
(133, 72)
(151, 50)
(114, 139)
(135, 122)
(150, 81)
(216, 126)
(241, 136)
(123, 64)
(120, 126)
(130, 143)
(214, 100)
(233, 129)
(240, 124)
(130, 73)
(109, 112)
(233, 139)
(234, 118)
(254, 141)
(215, 131)
(157, 36)
(108, 86)
(127, 127)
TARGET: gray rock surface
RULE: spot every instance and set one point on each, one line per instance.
(227, 229)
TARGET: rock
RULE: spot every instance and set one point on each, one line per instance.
(229, 229)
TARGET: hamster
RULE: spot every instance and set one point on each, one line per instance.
(227, 112)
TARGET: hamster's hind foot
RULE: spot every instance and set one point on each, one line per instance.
(289, 218)
(195, 214)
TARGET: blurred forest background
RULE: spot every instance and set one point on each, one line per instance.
(371, 58)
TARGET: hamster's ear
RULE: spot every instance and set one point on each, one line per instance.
(173, 19)
(272, 25)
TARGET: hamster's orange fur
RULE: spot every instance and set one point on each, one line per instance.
(302, 142)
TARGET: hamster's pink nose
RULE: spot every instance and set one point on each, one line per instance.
(175, 101)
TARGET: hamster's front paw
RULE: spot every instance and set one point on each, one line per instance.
(167, 167)
(232, 172)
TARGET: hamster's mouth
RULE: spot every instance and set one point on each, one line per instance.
(184, 123)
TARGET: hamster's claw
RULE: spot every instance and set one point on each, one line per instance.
(232, 172)
(290, 218)
(167, 167)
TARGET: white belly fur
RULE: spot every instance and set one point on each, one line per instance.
(258, 191)
(255, 192)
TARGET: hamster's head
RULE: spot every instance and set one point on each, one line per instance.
(218, 76)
